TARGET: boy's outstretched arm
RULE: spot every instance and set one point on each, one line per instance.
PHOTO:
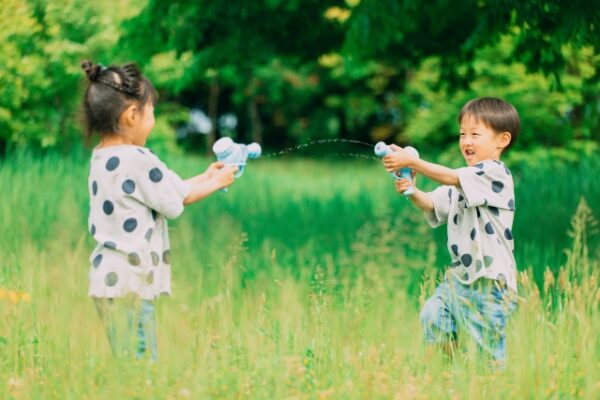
(419, 198)
(402, 159)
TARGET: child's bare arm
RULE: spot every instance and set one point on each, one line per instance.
(201, 186)
(419, 198)
(401, 159)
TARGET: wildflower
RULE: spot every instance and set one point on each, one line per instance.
(13, 297)
(25, 297)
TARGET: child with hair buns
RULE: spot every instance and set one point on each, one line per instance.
(132, 195)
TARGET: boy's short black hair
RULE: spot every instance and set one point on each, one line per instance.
(496, 113)
(110, 91)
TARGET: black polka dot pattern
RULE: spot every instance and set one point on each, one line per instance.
(112, 163)
(93, 229)
(473, 233)
(466, 260)
(154, 215)
(460, 198)
(478, 265)
(487, 261)
(97, 260)
(141, 151)
(479, 173)
(111, 279)
(150, 277)
(511, 205)
(155, 258)
(94, 188)
(497, 186)
(156, 175)
(507, 170)
(494, 210)
(489, 229)
(148, 234)
(455, 264)
(455, 219)
(454, 249)
(478, 213)
(167, 257)
(130, 224)
(449, 193)
(128, 186)
(134, 259)
(508, 234)
(478, 165)
(108, 207)
(110, 245)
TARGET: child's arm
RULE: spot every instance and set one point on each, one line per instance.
(418, 198)
(402, 159)
(217, 176)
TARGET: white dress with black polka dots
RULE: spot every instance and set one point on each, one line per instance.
(480, 217)
(132, 193)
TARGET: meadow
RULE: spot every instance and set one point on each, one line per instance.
(304, 281)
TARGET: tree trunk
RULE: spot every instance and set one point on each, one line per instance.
(255, 122)
(213, 114)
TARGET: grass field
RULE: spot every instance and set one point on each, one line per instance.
(304, 281)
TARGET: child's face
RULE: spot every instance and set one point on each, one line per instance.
(479, 142)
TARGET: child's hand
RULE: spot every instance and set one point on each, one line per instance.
(398, 159)
(224, 175)
(213, 167)
(402, 185)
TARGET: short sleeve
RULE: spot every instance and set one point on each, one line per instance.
(159, 188)
(488, 183)
(441, 198)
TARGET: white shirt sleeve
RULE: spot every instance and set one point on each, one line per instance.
(441, 198)
(159, 188)
(488, 183)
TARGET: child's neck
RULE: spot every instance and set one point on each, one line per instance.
(111, 140)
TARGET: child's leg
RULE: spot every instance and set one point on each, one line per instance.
(146, 330)
(439, 324)
(118, 316)
(487, 316)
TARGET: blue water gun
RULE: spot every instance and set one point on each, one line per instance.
(382, 150)
(236, 154)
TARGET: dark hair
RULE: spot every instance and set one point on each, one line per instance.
(110, 91)
(496, 113)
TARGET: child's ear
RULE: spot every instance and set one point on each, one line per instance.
(504, 139)
(130, 115)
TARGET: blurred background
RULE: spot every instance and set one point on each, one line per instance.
(284, 73)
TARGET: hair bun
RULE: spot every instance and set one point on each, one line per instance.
(92, 71)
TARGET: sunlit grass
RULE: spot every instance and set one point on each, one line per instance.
(304, 281)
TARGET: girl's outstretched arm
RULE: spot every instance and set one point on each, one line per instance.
(209, 182)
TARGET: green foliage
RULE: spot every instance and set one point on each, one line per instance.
(42, 44)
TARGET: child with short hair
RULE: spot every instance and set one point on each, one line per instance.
(478, 204)
(132, 194)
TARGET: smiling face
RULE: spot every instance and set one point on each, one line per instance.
(479, 142)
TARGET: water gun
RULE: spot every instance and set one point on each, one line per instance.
(382, 150)
(232, 153)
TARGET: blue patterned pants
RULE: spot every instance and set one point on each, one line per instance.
(481, 309)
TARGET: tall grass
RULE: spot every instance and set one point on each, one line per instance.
(304, 281)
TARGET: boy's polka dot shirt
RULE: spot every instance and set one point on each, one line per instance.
(480, 216)
(132, 193)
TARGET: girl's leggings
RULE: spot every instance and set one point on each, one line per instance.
(130, 325)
